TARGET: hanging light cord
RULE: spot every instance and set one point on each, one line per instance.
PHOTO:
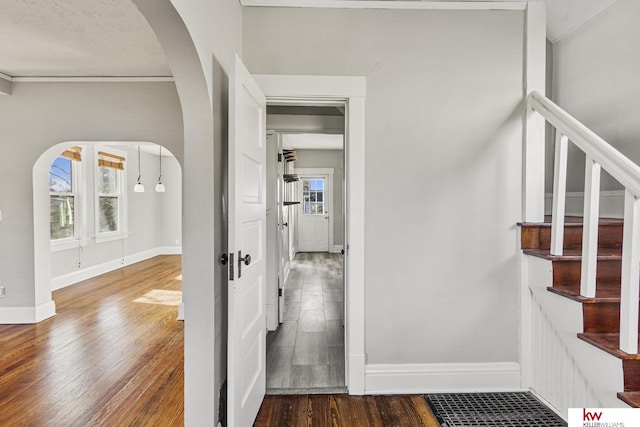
(160, 176)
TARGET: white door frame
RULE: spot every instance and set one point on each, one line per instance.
(351, 90)
(327, 173)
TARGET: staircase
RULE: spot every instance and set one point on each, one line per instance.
(601, 315)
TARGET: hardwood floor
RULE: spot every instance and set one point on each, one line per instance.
(345, 411)
(113, 355)
(306, 353)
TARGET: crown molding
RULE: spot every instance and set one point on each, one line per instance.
(53, 79)
(384, 4)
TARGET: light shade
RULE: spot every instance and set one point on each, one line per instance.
(160, 187)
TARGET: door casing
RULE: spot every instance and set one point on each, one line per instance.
(305, 90)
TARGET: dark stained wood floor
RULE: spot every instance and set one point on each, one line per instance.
(341, 410)
(105, 358)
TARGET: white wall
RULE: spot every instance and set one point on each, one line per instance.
(443, 167)
(596, 80)
(38, 116)
(328, 159)
(216, 30)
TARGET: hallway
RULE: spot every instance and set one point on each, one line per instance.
(306, 353)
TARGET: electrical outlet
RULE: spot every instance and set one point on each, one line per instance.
(2, 292)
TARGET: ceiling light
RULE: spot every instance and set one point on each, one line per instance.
(160, 186)
(138, 188)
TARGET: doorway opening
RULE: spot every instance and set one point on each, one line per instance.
(90, 216)
(306, 234)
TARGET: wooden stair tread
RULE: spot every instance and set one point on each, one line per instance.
(609, 342)
(631, 398)
(605, 292)
(572, 221)
(575, 254)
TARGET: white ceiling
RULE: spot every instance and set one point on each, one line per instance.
(312, 141)
(77, 38)
(95, 38)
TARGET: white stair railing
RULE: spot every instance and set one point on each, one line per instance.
(599, 155)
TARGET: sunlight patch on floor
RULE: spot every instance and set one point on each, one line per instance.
(178, 277)
(161, 297)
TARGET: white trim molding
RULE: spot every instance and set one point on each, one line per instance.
(69, 279)
(27, 315)
(378, 4)
(442, 377)
(336, 249)
(181, 311)
(6, 84)
(106, 79)
(351, 90)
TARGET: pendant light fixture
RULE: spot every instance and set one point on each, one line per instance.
(138, 188)
(160, 186)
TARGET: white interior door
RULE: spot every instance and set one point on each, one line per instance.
(313, 219)
(246, 375)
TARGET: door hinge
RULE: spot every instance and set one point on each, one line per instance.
(279, 292)
(280, 157)
(231, 266)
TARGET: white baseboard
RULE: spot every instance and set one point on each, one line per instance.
(442, 378)
(27, 315)
(287, 270)
(181, 311)
(357, 374)
(336, 249)
(68, 279)
(169, 250)
(611, 204)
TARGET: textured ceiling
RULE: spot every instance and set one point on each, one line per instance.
(77, 38)
(94, 38)
(565, 16)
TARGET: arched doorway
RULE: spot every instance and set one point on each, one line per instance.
(81, 232)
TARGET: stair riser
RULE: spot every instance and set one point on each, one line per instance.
(567, 273)
(631, 370)
(601, 317)
(536, 237)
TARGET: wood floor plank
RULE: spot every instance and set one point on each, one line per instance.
(113, 355)
(341, 410)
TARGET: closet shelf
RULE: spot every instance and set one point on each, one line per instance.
(290, 177)
(289, 155)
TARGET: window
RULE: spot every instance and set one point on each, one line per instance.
(62, 198)
(109, 192)
(313, 196)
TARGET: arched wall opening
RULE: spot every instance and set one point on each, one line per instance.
(203, 223)
(149, 223)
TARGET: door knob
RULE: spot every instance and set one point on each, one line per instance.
(286, 224)
(246, 259)
(242, 259)
(222, 259)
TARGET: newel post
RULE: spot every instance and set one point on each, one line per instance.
(534, 133)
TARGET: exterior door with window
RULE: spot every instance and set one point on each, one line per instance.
(313, 221)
